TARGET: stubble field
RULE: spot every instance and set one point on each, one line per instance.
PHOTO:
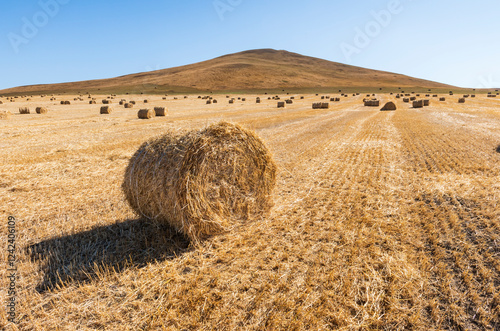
(382, 220)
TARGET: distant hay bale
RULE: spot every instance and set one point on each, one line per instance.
(231, 101)
(209, 102)
(301, 98)
(4, 115)
(426, 102)
(243, 99)
(128, 105)
(389, 106)
(146, 101)
(24, 110)
(121, 102)
(320, 105)
(41, 110)
(435, 96)
(92, 102)
(160, 111)
(473, 96)
(106, 110)
(146, 114)
(281, 104)
(106, 101)
(398, 96)
(164, 98)
(418, 104)
(413, 98)
(289, 101)
(257, 100)
(132, 102)
(442, 99)
(204, 182)
(461, 100)
(498, 149)
(372, 103)
(214, 101)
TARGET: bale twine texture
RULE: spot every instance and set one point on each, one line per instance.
(202, 182)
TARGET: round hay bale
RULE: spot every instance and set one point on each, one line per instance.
(426, 102)
(442, 99)
(132, 102)
(202, 182)
(146, 114)
(389, 106)
(461, 100)
(67, 103)
(209, 102)
(92, 102)
(128, 105)
(231, 101)
(281, 104)
(24, 110)
(4, 114)
(106, 110)
(160, 111)
(41, 110)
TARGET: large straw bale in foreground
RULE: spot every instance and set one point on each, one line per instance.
(201, 182)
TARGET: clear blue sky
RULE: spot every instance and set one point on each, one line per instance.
(454, 42)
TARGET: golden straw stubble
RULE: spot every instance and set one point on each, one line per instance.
(202, 182)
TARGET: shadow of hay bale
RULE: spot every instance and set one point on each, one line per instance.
(79, 257)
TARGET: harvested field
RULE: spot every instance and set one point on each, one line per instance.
(382, 220)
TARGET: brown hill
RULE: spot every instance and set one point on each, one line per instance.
(264, 69)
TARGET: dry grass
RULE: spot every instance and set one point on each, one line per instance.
(382, 220)
(4, 114)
